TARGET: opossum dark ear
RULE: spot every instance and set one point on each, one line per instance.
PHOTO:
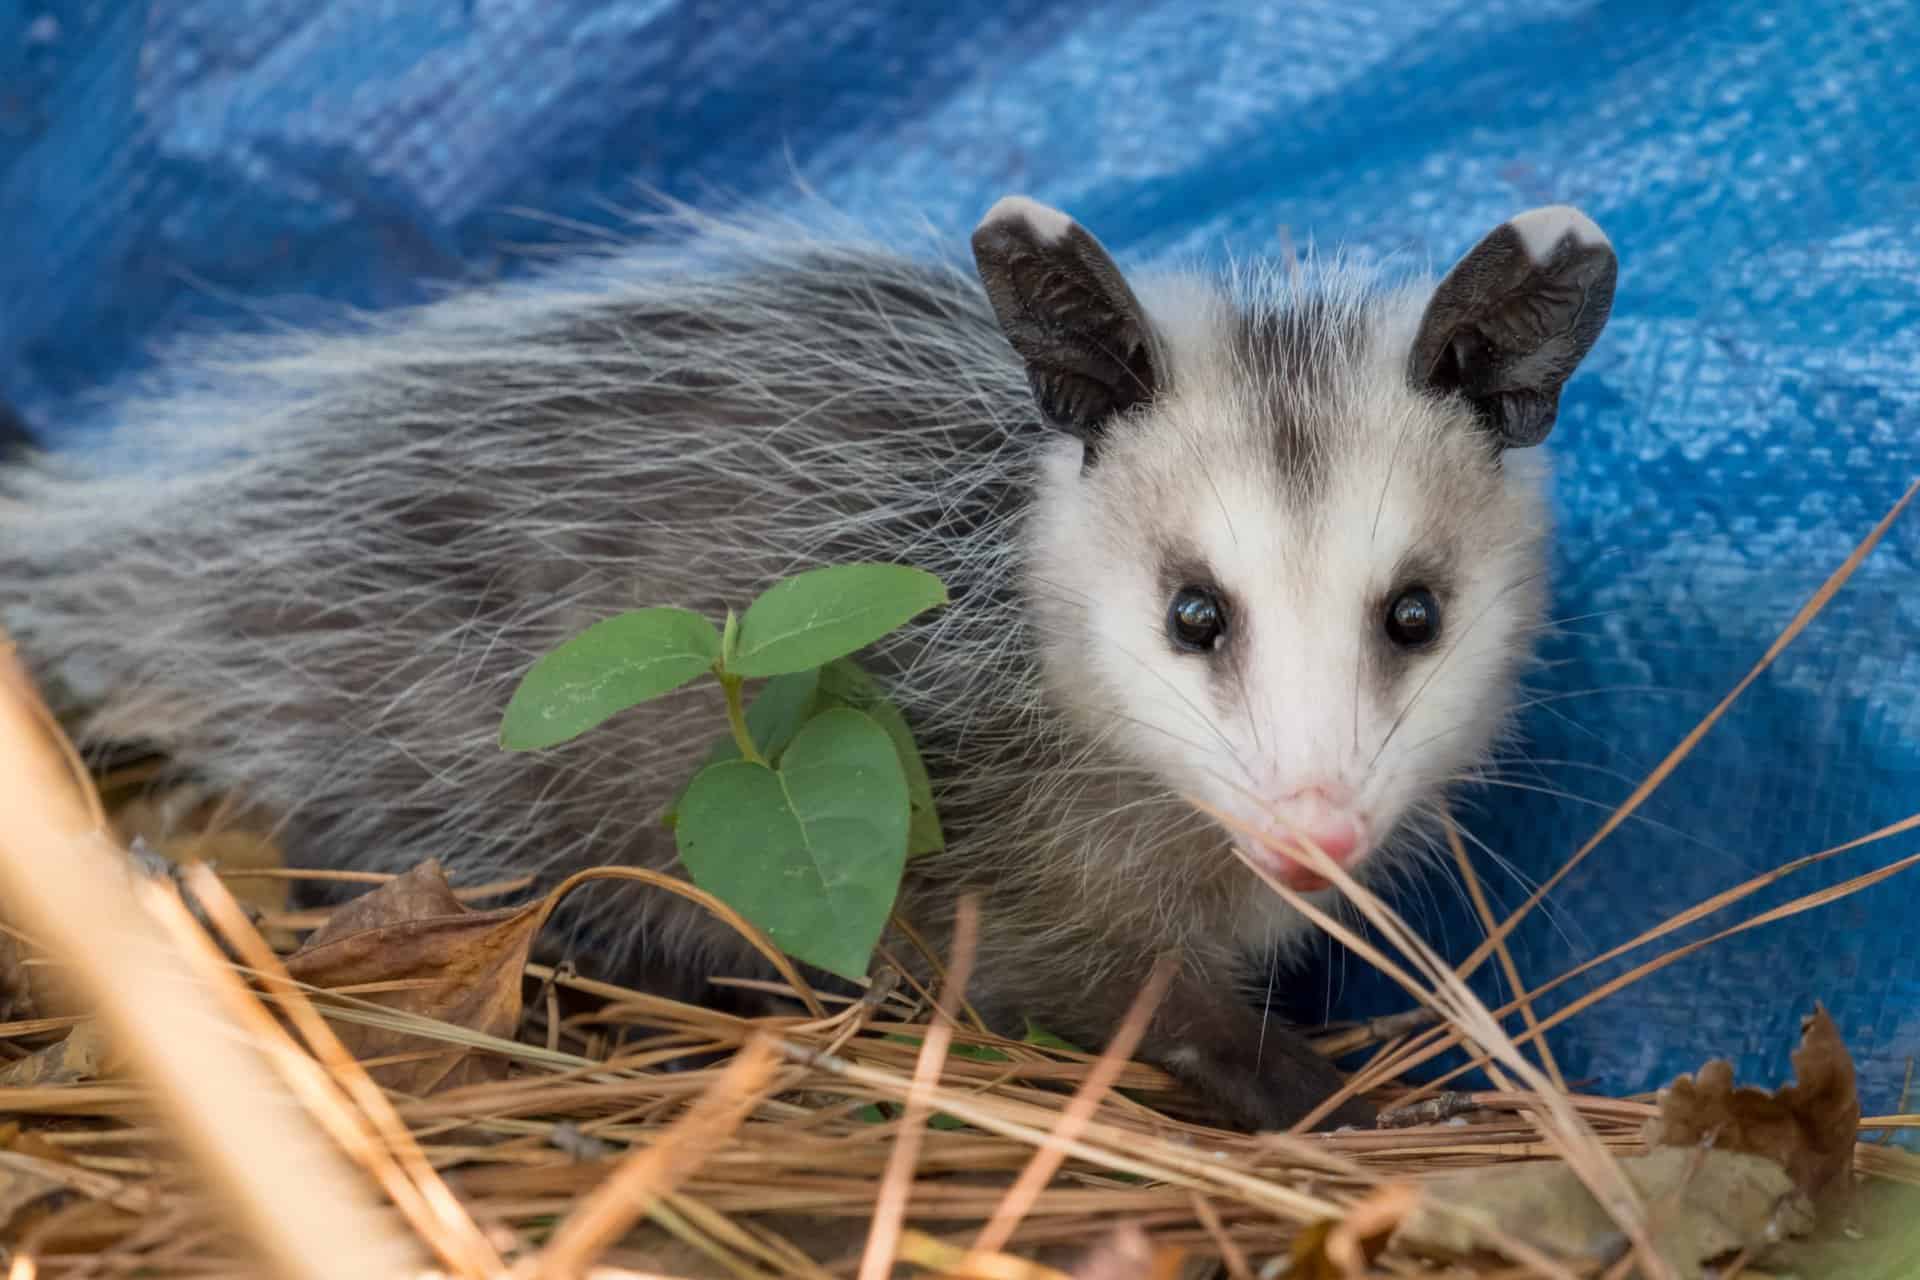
(1067, 311)
(1508, 325)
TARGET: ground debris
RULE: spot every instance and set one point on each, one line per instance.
(1704, 1205)
(1808, 1127)
(1438, 1109)
(459, 966)
(79, 1055)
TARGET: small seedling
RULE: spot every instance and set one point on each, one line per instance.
(803, 817)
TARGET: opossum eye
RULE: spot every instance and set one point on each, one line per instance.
(1413, 619)
(1196, 620)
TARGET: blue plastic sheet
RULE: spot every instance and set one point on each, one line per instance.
(1750, 413)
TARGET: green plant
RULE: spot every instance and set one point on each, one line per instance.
(803, 817)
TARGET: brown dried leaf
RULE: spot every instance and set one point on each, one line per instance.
(1705, 1204)
(1808, 1127)
(80, 1055)
(468, 964)
(1334, 1248)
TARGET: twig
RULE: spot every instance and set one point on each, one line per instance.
(1073, 1121)
(342, 1096)
(1575, 1007)
(897, 1183)
(1808, 612)
(1520, 994)
(65, 879)
(1434, 1110)
(1560, 1124)
(1232, 1257)
(1103, 1145)
(647, 1175)
(719, 909)
(1431, 1044)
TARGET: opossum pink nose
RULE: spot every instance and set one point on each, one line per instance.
(1324, 816)
(1327, 817)
(1338, 840)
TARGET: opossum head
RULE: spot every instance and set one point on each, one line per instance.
(1288, 549)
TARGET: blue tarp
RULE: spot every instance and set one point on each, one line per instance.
(1750, 413)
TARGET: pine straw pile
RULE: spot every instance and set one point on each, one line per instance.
(196, 1081)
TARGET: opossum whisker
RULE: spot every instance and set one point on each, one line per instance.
(1547, 698)
(1561, 793)
(1206, 721)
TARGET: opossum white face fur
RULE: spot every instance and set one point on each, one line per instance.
(1290, 559)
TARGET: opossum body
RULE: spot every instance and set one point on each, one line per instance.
(1271, 543)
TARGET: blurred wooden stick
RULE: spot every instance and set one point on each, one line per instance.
(65, 881)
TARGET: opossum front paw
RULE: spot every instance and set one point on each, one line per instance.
(1253, 1073)
(1285, 1081)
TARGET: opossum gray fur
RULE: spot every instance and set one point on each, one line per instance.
(1274, 541)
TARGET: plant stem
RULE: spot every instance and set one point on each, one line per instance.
(737, 720)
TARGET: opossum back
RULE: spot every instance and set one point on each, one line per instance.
(318, 576)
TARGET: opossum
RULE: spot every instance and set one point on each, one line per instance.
(1270, 539)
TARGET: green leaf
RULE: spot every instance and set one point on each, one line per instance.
(844, 682)
(729, 641)
(814, 617)
(773, 717)
(811, 852)
(1045, 1039)
(614, 664)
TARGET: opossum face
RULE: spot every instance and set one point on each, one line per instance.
(1307, 642)
(1289, 553)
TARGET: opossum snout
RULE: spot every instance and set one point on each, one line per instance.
(1324, 814)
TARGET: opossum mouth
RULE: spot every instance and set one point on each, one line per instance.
(1279, 860)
